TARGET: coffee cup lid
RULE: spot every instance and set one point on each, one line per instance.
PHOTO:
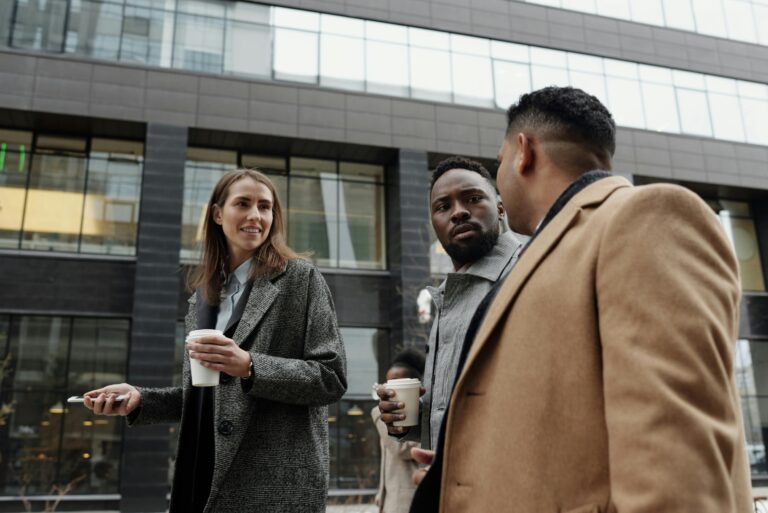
(402, 381)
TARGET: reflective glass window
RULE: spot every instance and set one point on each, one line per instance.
(295, 55)
(739, 21)
(47, 441)
(430, 74)
(754, 113)
(625, 101)
(15, 148)
(354, 442)
(93, 29)
(660, 107)
(726, 110)
(679, 14)
(694, 112)
(736, 218)
(202, 170)
(544, 76)
(472, 80)
(751, 373)
(147, 36)
(112, 197)
(710, 19)
(54, 206)
(199, 43)
(342, 62)
(248, 47)
(386, 70)
(613, 8)
(313, 220)
(296, 19)
(361, 216)
(39, 25)
(647, 11)
(511, 80)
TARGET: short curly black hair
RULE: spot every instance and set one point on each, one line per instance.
(457, 162)
(566, 113)
(412, 360)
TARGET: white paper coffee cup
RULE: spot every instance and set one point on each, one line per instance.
(202, 376)
(406, 392)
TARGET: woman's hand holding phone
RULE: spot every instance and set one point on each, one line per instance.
(103, 401)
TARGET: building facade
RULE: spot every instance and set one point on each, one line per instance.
(118, 116)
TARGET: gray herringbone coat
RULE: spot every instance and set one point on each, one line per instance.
(271, 439)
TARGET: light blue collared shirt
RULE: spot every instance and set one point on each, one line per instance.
(232, 292)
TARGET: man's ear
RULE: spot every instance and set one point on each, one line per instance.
(500, 209)
(525, 153)
(217, 217)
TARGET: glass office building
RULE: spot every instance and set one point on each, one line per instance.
(117, 117)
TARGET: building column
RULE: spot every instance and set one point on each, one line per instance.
(408, 243)
(144, 474)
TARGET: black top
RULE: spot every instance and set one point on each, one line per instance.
(427, 496)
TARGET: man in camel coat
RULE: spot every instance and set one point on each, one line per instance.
(600, 376)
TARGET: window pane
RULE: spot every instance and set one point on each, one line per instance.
(727, 117)
(342, 26)
(761, 20)
(647, 11)
(613, 8)
(755, 113)
(751, 369)
(313, 219)
(511, 80)
(739, 20)
(14, 167)
(590, 83)
(40, 25)
(679, 14)
(295, 55)
(248, 49)
(470, 45)
(313, 167)
(39, 347)
(543, 76)
(54, 207)
(694, 112)
(199, 43)
(428, 39)
(292, 18)
(93, 29)
(430, 74)
(472, 80)
(111, 211)
(99, 354)
(625, 102)
(660, 108)
(388, 32)
(147, 36)
(740, 229)
(709, 18)
(361, 226)
(202, 170)
(509, 51)
(342, 62)
(386, 68)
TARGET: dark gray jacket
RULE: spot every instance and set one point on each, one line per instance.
(271, 438)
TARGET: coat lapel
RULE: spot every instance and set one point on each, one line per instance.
(539, 249)
(260, 298)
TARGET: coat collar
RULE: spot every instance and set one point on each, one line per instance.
(537, 251)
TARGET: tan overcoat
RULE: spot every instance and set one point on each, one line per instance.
(601, 379)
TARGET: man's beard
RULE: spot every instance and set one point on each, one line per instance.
(480, 247)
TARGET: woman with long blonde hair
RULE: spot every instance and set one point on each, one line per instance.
(259, 440)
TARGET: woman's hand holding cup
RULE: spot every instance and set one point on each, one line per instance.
(218, 353)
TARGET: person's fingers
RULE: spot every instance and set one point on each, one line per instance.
(384, 393)
(422, 456)
(418, 475)
(133, 401)
(390, 406)
(422, 391)
(396, 430)
(390, 418)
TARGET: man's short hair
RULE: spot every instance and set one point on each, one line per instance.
(452, 163)
(565, 113)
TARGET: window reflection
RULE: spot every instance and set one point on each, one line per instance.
(15, 148)
(46, 441)
(751, 369)
(359, 55)
(736, 218)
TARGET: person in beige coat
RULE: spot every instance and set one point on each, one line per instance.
(600, 379)
(396, 486)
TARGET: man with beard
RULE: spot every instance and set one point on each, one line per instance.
(465, 215)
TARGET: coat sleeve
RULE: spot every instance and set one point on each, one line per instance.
(158, 406)
(667, 296)
(320, 377)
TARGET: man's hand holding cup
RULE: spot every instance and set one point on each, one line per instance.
(399, 404)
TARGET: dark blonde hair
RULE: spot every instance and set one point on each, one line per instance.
(271, 256)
